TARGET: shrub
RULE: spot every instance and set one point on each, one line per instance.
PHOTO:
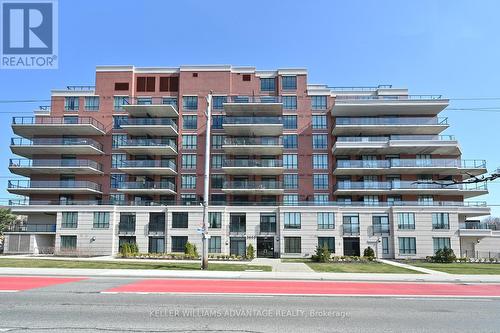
(369, 253)
(129, 250)
(190, 250)
(250, 252)
(444, 256)
(322, 254)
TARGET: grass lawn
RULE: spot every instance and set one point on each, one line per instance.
(371, 267)
(460, 268)
(47, 263)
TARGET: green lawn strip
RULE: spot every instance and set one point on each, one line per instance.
(460, 268)
(372, 267)
(47, 263)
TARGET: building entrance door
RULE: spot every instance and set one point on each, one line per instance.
(351, 246)
(265, 247)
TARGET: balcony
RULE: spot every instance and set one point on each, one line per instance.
(350, 229)
(151, 188)
(369, 105)
(253, 187)
(253, 105)
(33, 228)
(151, 107)
(72, 125)
(396, 144)
(411, 166)
(409, 187)
(478, 229)
(27, 187)
(253, 146)
(389, 125)
(380, 229)
(148, 167)
(25, 167)
(59, 146)
(150, 126)
(149, 147)
(126, 228)
(253, 167)
(253, 126)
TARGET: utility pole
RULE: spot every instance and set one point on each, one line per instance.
(204, 234)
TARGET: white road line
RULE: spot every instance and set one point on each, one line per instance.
(9, 291)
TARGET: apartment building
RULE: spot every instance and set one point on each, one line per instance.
(293, 166)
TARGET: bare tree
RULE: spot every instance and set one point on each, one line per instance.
(472, 180)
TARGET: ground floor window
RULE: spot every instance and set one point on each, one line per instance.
(214, 244)
(385, 245)
(68, 243)
(292, 245)
(441, 243)
(237, 246)
(407, 245)
(179, 243)
(156, 245)
(328, 241)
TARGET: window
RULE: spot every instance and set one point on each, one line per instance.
(117, 198)
(179, 243)
(319, 122)
(118, 121)
(117, 179)
(217, 121)
(407, 245)
(189, 141)
(190, 103)
(440, 221)
(237, 222)
(121, 86)
(291, 181)
(350, 223)
(329, 242)
(406, 221)
(215, 220)
(267, 222)
(320, 141)
(92, 103)
(380, 224)
(289, 102)
(441, 243)
(246, 77)
(119, 140)
(289, 82)
(169, 83)
(144, 101)
(188, 182)
(218, 199)
(217, 161)
(188, 161)
(267, 84)
(117, 160)
(127, 222)
(218, 102)
(318, 102)
(119, 102)
(385, 245)
(189, 122)
(145, 84)
(292, 220)
(320, 182)
(68, 243)
(71, 103)
(321, 199)
(69, 220)
(290, 141)
(217, 141)
(180, 220)
(292, 245)
(290, 161)
(156, 222)
(101, 220)
(188, 199)
(169, 101)
(320, 161)
(425, 200)
(290, 122)
(326, 220)
(290, 199)
(370, 200)
(214, 244)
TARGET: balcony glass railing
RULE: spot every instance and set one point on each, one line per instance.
(148, 143)
(346, 185)
(26, 163)
(149, 122)
(53, 184)
(147, 186)
(252, 120)
(151, 101)
(392, 121)
(55, 142)
(380, 228)
(33, 228)
(479, 226)
(411, 163)
(254, 141)
(350, 229)
(253, 163)
(396, 137)
(251, 185)
(253, 99)
(148, 164)
(57, 121)
(343, 98)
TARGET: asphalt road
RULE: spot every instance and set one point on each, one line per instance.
(81, 307)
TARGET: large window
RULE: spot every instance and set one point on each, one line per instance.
(290, 141)
(119, 102)
(190, 102)
(318, 102)
(440, 221)
(101, 220)
(189, 161)
(326, 220)
(189, 141)
(329, 242)
(180, 220)
(71, 103)
(68, 243)
(117, 160)
(290, 199)
(320, 161)
(157, 222)
(319, 121)
(350, 223)
(217, 141)
(320, 181)
(267, 222)
(179, 243)
(215, 220)
(320, 141)
(127, 222)
(69, 220)
(188, 182)
(289, 82)
(217, 121)
(214, 244)
(292, 220)
(407, 245)
(289, 102)
(218, 102)
(189, 122)
(237, 223)
(290, 161)
(267, 84)
(291, 181)
(406, 221)
(290, 122)
(292, 245)
(118, 121)
(118, 140)
(117, 179)
(92, 103)
(146, 83)
(441, 243)
(217, 181)
(217, 161)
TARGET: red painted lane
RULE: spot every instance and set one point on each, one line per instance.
(308, 288)
(14, 283)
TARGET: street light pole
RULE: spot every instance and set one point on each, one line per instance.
(204, 235)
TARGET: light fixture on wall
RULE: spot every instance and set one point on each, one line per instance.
(92, 239)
